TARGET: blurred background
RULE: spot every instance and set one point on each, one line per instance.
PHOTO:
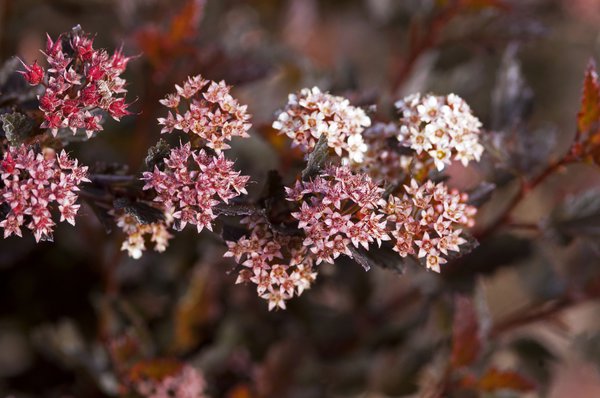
(356, 333)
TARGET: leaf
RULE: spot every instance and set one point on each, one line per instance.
(157, 154)
(154, 369)
(317, 158)
(493, 253)
(476, 5)
(383, 257)
(232, 209)
(481, 193)
(17, 127)
(161, 46)
(103, 216)
(494, 380)
(589, 113)
(578, 215)
(535, 357)
(466, 343)
(184, 25)
(143, 213)
(512, 97)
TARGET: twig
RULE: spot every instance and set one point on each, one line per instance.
(421, 45)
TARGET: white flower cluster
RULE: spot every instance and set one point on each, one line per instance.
(443, 127)
(311, 113)
(136, 233)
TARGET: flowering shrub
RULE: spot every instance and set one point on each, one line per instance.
(413, 210)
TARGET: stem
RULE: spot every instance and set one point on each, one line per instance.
(534, 315)
(524, 189)
(109, 178)
(419, 46)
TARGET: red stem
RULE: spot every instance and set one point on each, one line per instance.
(421, 45)
(524, 189)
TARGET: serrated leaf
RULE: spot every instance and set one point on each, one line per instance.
(495, 380)
(143, 213)
(17, 127)
(589, 113)
(466, 343)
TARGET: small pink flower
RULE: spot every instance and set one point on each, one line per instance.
(33, 74)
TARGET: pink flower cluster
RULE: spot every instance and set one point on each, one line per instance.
(31, 183)
(81, 82)
(135, 243)
(190, 184)
(186, 383)
(280, 265)
(442, 127)
(312, 113)
(427, 221)
(339, 207)
(206, 109)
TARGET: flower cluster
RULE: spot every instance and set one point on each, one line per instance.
(181, 380)
(207, 110)
(339, 207)
(427, 221)
(443, 127)
(190, 184)
(280, 265)
(31, 183)
(311, 113)
(81, 82)
(136, 232)
(383, 160)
